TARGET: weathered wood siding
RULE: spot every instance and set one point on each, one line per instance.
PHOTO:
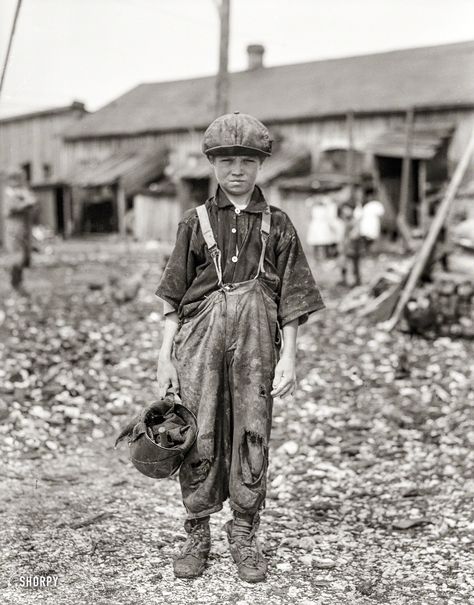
(156, 217)
(36, 140)
(46, 210)
(82, 152)
(317, 135)
(332, 133)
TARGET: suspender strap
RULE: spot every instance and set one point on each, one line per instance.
(210, 240)
(266, 221)
(206, 226)
(212, 245)
(264, 233)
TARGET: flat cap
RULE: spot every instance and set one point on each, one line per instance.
(237, 134)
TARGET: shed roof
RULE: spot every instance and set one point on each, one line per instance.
(75, 106)
(286, 162)
(385, 82)
(424, 145)
(132, 170)
(318, 182)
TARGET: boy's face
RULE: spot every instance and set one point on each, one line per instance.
(236, 174)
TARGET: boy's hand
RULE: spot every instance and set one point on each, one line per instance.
(166, 375)
(284, 381)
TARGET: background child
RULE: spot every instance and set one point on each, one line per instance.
(350, 245)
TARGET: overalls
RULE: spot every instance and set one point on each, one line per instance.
(226, 354)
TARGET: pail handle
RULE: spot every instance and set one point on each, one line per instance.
(172, 391)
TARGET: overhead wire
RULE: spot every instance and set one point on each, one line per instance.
(10, 43)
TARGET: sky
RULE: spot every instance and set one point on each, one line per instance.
(95, 50)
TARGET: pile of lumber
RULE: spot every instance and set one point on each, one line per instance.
(392, 307)
(444, 307)
(402, 294)
(378, 298)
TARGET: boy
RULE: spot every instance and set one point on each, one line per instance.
(237, 273)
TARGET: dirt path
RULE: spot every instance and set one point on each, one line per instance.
(371, 486)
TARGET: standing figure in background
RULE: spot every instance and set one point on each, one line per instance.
(324, 231)
(371, 221)
(18, 206)
(350, 245)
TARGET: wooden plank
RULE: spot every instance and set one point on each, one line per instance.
(350, 165)
(381, 308)
(350, 143)
(424, 205)
(433, 233)
(121, 210)
(67, 212)
(405, 178)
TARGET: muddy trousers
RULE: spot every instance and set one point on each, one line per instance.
(226, 355)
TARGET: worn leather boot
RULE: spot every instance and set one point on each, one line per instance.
(244, 547)
(191, 561)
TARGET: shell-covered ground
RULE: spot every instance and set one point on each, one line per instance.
(371, 481)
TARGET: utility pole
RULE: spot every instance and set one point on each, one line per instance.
(222, 80)
(10, 43)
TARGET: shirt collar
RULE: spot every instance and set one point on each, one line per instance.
(257, 201)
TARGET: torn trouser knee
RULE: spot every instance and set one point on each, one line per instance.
(252, 458)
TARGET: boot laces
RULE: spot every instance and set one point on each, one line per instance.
(193, 542)
(248, 547)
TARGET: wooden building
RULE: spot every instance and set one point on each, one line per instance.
(326, 107)
(34, 143)
(102, 191)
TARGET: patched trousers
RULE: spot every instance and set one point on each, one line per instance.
(226, 355)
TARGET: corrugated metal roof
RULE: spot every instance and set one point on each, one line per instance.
(392, 81)
(424, 145)
(132, 170)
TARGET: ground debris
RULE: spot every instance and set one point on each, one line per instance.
(370, 472)
(90, 520)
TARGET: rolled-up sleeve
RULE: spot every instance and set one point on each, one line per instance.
(179, 271)
(299, 293)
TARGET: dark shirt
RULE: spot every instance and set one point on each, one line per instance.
(190, 274)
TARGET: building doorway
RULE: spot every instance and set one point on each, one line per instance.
(389, 177)
(59, 210)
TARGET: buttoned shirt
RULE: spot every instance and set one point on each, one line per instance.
(190, 274)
